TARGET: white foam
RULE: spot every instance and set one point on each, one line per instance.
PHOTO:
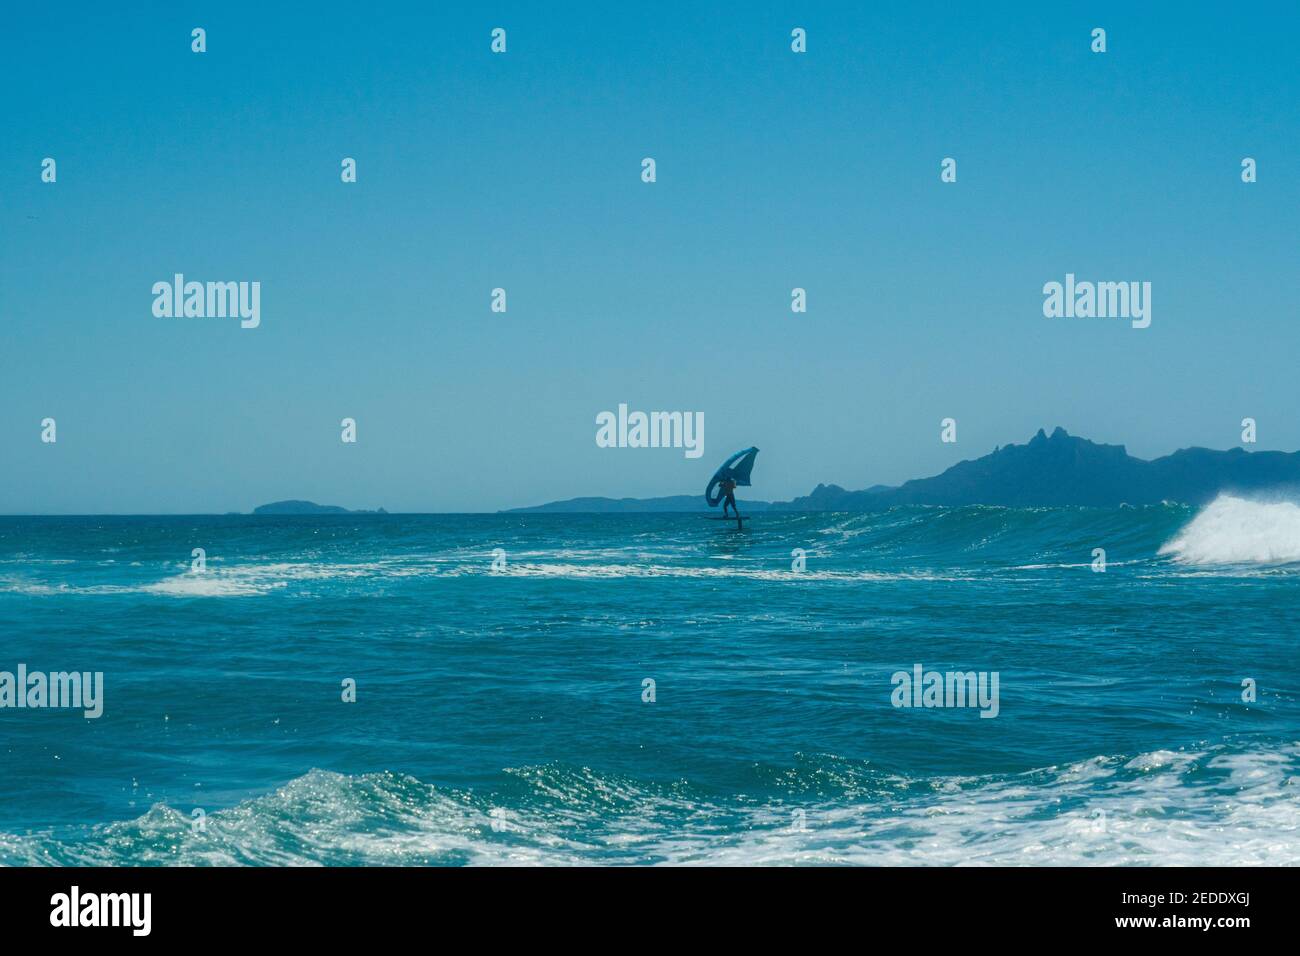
(1167, 808)
(1233, 530)
(1091, 813)
(207, 585)
(245, 580)
(562, 570)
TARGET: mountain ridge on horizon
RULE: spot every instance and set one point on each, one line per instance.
(298, 506)
(1049, 470)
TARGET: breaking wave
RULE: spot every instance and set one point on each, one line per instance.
(1214, 807)
(1233, 530)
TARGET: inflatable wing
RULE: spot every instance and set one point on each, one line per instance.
(737, 468)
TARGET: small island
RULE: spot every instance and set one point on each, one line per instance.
(295, 507)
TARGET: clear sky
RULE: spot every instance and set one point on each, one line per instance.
(523, 171)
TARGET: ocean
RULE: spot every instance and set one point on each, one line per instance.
(657, 689)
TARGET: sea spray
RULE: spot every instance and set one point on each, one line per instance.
(1233, 530)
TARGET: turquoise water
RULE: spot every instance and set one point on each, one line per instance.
(499, 714)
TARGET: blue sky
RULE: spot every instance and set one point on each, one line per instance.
(775, 170)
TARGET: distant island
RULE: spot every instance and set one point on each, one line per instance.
(293, 507)
(1048, 471)
(668, 504)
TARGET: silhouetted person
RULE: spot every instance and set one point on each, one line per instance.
(729, 497)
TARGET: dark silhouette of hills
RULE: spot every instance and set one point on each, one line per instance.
(1056, 470)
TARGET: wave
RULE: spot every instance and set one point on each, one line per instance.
(1236, 531)
(260, 579)
(1230, 536)
(1218, 806)
(245, 580)
(556, 570)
